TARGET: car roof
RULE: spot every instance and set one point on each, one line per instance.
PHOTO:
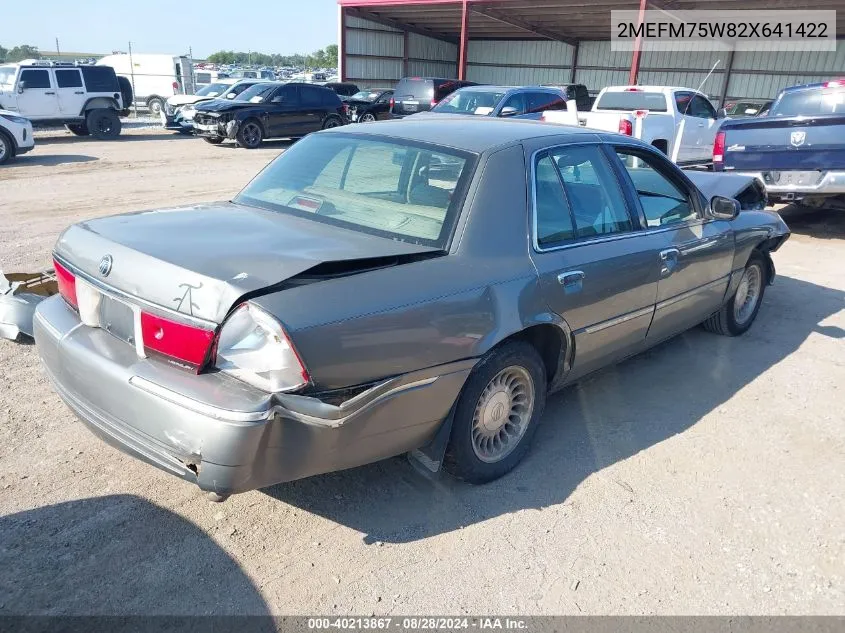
(475, 135)
(491, 88)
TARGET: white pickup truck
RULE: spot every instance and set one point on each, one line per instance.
(681, 122)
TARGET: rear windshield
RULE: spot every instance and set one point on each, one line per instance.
(419, 88)
(807, 102)
(395, 189)
(632, 100)
(481, 102)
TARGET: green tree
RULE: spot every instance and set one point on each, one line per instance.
(3, 53)
(24, 51)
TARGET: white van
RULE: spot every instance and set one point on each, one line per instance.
(154, 77)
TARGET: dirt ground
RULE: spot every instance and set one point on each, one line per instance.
(704, 477)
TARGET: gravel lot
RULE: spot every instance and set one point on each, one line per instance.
(704, 477)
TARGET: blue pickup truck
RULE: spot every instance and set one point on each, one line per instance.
(798, 150)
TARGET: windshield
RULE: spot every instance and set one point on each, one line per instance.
(257, 93)
(211, 90)
(808, 102)
(7, 76)
(365, 95)
(394, 189)
(632, 100)
(470, 102)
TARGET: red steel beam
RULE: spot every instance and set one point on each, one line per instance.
(635, 57)
(462, 58)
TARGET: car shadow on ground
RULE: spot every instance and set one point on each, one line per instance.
(825, 223)
(605, 419)
(118, 555)
(274, 144)
(48, 160)
(60, 138)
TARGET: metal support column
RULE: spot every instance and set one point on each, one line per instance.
(405, 55)
(727, 78)
(635, 58)
(341, 42)
(462, 53)
(574, 62)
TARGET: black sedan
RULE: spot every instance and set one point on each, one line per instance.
(369, 105)
(269, 110)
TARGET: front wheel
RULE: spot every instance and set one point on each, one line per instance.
(103, 124)
(367, 118)
(6, 149)
(737, 315)
(249, 135)
(497, 414)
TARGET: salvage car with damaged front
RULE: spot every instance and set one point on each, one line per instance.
(269, 110)
(403, 287)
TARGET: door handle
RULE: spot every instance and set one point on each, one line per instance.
(79, 92)
(50, 92)
(572, 281)
(701, 125)
(669, 257)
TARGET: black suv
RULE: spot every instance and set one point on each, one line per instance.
(418, 94)
(269, 110)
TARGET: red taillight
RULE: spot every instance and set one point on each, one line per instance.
(625, 127)
(346, 109)
(433, 102)
(633, 90)
(836, 83)
(67, 284)
(176, 87)
(184, 343)
(719, 148)
(392, 102)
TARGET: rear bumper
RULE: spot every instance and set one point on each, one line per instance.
(831, 183)
(220, 433)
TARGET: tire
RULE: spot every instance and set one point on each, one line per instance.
(7, 148)
(155, 105)
(214, 140)
(103, 124)
(731, 320)
(367, 117)
(472, 454)
(78, 129)
(125, 93)
(249, 134)
(331, 122)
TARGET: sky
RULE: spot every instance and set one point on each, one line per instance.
(159, 26)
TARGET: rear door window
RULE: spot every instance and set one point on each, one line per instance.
(68, 79)
(311, 96)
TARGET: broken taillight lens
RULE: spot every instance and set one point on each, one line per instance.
(253, 347)
(625, 127)
(66, 281)
(184, 344)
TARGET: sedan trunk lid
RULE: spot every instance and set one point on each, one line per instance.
(199, 260)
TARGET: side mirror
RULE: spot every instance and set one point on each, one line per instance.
(508, 111)
(721, 113)
(724, 208)
(21, 86)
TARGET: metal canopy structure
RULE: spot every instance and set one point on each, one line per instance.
(569, 21)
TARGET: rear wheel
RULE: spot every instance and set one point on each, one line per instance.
(368, 117)
(103, 124)
(737, 315)
(7, 148)
(497, 414)
(331, 122)
(79, 129)
(249, 134)
(214, 140)
(155, 106)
